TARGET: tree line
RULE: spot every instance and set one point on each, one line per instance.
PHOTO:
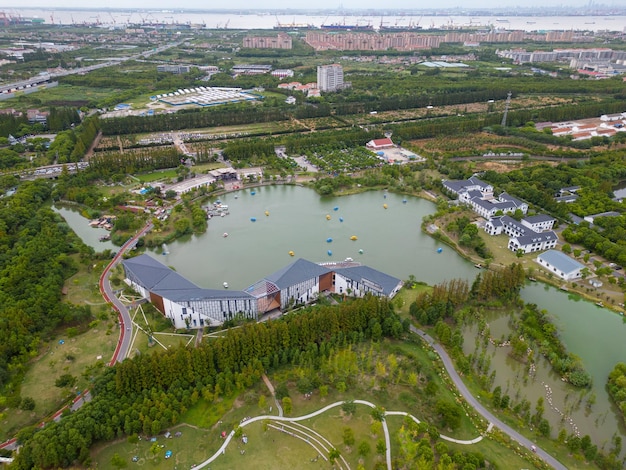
(150, 392)
(35, 259)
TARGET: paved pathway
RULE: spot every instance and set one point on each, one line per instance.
(126, 324)
(222, 449)
(447, 362)
(270, 387)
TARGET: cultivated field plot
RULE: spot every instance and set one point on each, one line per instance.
(346, 160)
(520, 102)
(322, 123)
(476, 145)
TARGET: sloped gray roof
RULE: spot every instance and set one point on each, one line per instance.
(560, 261)
(537, 238)
(458, 186)
(360, 273)
(535, 219)
(158, 278)
(495, 221)
(511, 222)
(507, 197)
(299, 271)
(153, 275)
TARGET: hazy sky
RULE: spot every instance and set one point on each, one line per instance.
(282, 4)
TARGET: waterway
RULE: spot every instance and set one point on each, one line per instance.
(114, 18)
(89, 235)
(392, 241)
(592, 333)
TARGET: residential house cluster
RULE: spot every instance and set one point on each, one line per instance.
(530, 234)
(309, 89)
(604, 126)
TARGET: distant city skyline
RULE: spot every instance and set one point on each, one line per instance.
(320, 4)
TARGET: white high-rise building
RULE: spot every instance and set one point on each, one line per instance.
(330, 77)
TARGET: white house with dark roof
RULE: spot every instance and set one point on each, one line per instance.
(539, 222)
(504, 203)
(533, 242)
(458, 187)
(560, 264)
(522, 235)
(507, 225)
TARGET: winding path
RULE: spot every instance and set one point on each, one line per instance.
(126, 324)
(222, 449)
(512, 433)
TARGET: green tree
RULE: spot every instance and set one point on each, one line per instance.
(381, 447)
(348, 437)
(364, 448)
(118, 461)
(287, 405)
(262, 402)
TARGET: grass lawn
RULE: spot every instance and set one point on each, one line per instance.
(147, 319)
(157, 175)
(192, 447)
(82, 287)
(59, 93)
(403, 299)
(272, 448)
(39, 381)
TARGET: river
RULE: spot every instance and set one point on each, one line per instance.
(392, 241)
(244, 20)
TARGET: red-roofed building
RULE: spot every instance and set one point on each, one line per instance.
(379, 144)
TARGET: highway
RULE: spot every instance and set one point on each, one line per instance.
(126, 324)
(512, 433)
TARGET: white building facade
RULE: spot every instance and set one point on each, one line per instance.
(330, 77)
(560, 264)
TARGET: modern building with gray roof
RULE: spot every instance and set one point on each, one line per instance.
(180, 300)
(560, 264)
(361, 280)
(190, 306)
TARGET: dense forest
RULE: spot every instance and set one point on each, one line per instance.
(35, 259)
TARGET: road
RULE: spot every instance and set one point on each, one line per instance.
(512, 433)
(126, 324)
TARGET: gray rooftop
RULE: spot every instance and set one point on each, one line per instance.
(158, 278)
(365, 273)
(459, 186)
(299, 271)
(560, 261)
(537, 238)
(535, 219)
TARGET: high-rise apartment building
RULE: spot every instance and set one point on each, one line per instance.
(330, 77)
